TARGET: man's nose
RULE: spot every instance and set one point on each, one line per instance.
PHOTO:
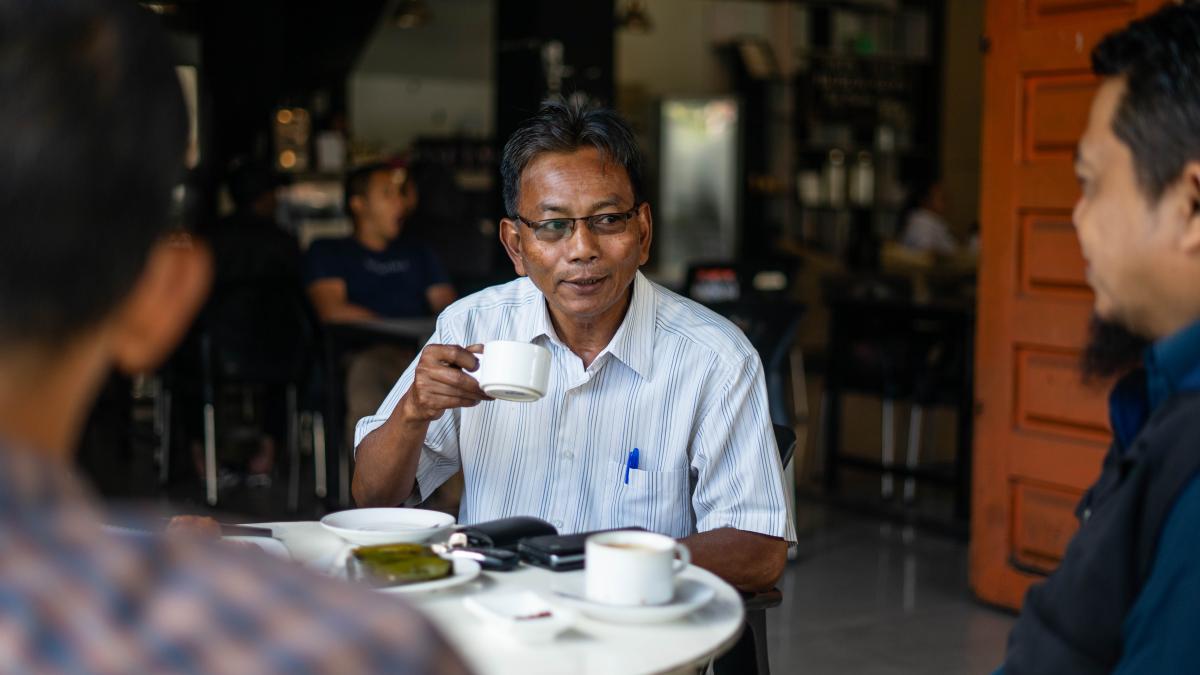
(583, 245)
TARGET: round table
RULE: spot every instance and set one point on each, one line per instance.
(591, 646)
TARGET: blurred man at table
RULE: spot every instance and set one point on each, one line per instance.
(633, 366)
(94, 131)
(1126, 597)
(376, 274)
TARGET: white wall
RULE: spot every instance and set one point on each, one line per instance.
(434, 80)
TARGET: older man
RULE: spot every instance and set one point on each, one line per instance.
(1125, 598)
(633, 366)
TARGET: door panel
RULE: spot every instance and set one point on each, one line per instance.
(1040, 434)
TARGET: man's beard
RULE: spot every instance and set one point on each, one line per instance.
(1112, 350)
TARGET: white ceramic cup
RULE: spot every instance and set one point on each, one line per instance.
(632, 568)
(513, 371)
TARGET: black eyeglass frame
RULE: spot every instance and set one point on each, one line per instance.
(538, 226)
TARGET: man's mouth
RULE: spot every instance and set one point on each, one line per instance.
(585, 283)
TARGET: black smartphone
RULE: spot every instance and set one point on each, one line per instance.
(559, 552)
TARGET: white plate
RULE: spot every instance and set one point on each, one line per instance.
(464, 571)
(387, 526)
(690, 595)
(272, 546)
(524, 615)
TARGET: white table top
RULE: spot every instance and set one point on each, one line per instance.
(591, 646)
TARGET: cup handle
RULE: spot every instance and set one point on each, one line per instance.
(682, 560)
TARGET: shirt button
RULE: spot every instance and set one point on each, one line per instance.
(557, 524)
(568, 455)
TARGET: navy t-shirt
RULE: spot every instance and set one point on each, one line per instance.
(391, 282)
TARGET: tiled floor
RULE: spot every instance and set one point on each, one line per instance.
(873, 598)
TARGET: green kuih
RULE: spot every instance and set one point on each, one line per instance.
(398, 564)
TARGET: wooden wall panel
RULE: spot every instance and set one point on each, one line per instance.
(1056, 112)
(1043, 523)
(1051, 262)
(1051, 398)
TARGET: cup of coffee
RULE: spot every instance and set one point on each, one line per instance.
(632, 568)
(513, 371)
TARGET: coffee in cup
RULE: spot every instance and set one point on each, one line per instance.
(632, 568)
(513, 371)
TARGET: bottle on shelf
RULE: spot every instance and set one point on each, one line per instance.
(862, 181)
(835, 179)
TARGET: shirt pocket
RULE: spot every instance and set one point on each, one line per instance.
(657, 500)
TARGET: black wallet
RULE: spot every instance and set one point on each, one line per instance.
(505, 533)
(559, 553)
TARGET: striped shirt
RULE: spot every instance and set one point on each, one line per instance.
(677, 381)
(74, 599)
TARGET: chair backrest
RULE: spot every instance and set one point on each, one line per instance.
(263, 332)
(785, 438)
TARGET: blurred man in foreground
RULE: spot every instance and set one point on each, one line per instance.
(93, 129)
(1126, 597)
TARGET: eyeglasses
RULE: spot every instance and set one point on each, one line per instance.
(603, 224)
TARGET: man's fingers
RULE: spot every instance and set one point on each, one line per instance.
(438, 403)
(450, 355)
(442, 388)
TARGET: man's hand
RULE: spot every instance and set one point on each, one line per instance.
(385, 469)
(440, 384)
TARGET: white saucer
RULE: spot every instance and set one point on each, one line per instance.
(464, 571)
(690, 595)
(387, 526)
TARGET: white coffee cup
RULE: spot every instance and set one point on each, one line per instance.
(513, 371)
(632, 568)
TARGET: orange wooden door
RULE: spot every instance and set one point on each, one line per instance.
(1040, 435)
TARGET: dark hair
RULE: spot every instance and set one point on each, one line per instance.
(358, 180)
(563, 127)
(1159, 116)
(93, 131)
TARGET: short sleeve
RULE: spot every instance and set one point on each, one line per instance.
(739, 477)
(435, 271)
(321, 262)
(439, 458)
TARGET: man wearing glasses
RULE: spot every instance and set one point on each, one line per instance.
(633, 366)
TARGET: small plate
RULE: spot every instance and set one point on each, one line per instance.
(524, 615)
(267, 544)
(690, 595)
(464, 571)
(387, 526)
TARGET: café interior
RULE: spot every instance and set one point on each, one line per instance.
(835, 177)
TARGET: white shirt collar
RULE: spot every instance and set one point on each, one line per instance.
(633, 343)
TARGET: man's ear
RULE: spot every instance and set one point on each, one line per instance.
(154, 316)
(356, 204)
(1190, 184)
(510, 237)
(646, 223)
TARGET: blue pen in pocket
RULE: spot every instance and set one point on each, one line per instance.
(631, 463)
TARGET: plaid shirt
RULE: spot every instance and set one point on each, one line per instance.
(76, 600)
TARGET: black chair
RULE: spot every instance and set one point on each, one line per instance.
(749, 653)
(900, 350)
(256, 334)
